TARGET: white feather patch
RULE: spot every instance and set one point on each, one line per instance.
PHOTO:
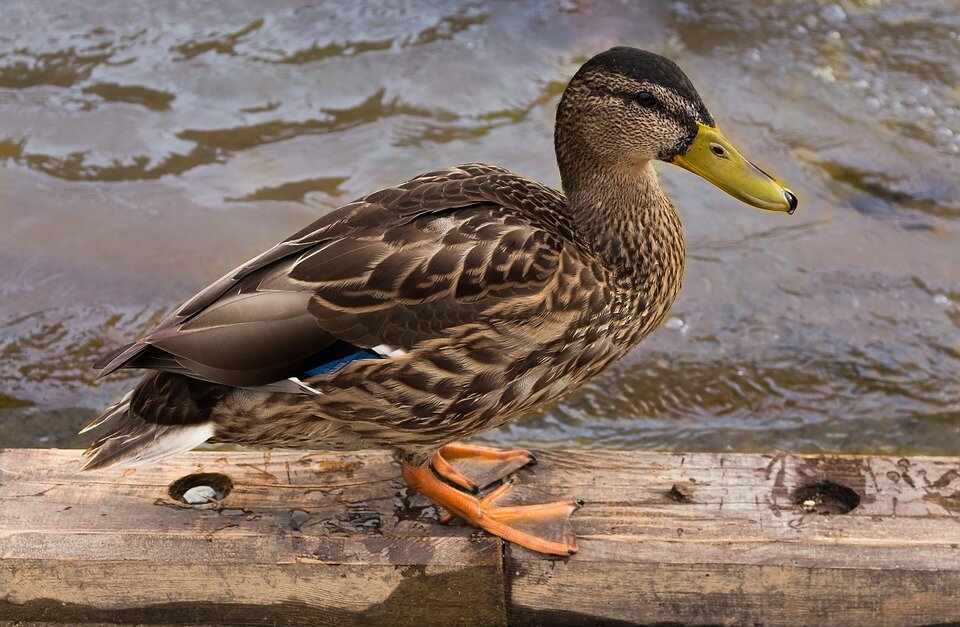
(170, 440)
(388, 351)
(304, 386)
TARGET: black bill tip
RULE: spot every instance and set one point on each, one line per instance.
(791, 200)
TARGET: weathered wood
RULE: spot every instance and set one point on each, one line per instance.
(335, 539)
(301, 539)
(742, 551)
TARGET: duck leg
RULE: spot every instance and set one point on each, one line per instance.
(486, 464)
(488, 499)
(549, 519)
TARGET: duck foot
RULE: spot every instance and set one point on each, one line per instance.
(542, 528)
(485, 464)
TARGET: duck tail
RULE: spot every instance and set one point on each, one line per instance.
(111, 412)
(144, 431)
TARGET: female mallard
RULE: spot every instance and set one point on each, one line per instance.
(431, 311)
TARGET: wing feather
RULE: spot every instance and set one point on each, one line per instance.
(396, 268)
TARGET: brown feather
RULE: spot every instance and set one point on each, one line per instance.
(487, 293)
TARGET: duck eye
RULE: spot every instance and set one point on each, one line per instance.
(646, 99)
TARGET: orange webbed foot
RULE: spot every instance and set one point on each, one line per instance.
(478, 466)
(543, 528)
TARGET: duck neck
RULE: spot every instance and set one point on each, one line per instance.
(625, 217)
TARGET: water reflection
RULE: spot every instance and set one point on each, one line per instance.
(145, 148)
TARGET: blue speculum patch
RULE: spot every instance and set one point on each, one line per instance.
(334, 357)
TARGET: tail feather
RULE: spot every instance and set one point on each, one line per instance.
(167, 413)
(109, 413)
(136, 442)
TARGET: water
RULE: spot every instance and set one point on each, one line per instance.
(146, 148)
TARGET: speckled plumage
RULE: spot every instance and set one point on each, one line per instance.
(445, 306)
(496, 293)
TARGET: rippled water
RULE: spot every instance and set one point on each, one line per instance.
(145, 148)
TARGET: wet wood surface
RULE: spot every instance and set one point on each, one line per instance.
(318, 538)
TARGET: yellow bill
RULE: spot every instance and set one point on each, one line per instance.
(712, 156)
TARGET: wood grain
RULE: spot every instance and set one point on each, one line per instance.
(742, 551)
(301, 539)
(319, 538)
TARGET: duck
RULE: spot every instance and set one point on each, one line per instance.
(423, 314)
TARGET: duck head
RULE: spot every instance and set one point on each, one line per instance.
(625, 107)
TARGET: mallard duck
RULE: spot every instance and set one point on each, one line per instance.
(423, 314)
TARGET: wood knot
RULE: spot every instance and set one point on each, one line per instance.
(681, 492)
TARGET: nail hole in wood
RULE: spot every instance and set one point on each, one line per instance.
(826, 497)
(201, 488)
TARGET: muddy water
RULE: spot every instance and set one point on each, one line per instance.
(145, 148)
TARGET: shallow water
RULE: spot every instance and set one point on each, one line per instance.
(146, 148)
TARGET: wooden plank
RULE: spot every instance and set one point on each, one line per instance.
(301, 539)
(742, 551)
(318, 538)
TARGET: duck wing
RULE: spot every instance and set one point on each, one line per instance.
(382, 274)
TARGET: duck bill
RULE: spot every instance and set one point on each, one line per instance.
(712, 156)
